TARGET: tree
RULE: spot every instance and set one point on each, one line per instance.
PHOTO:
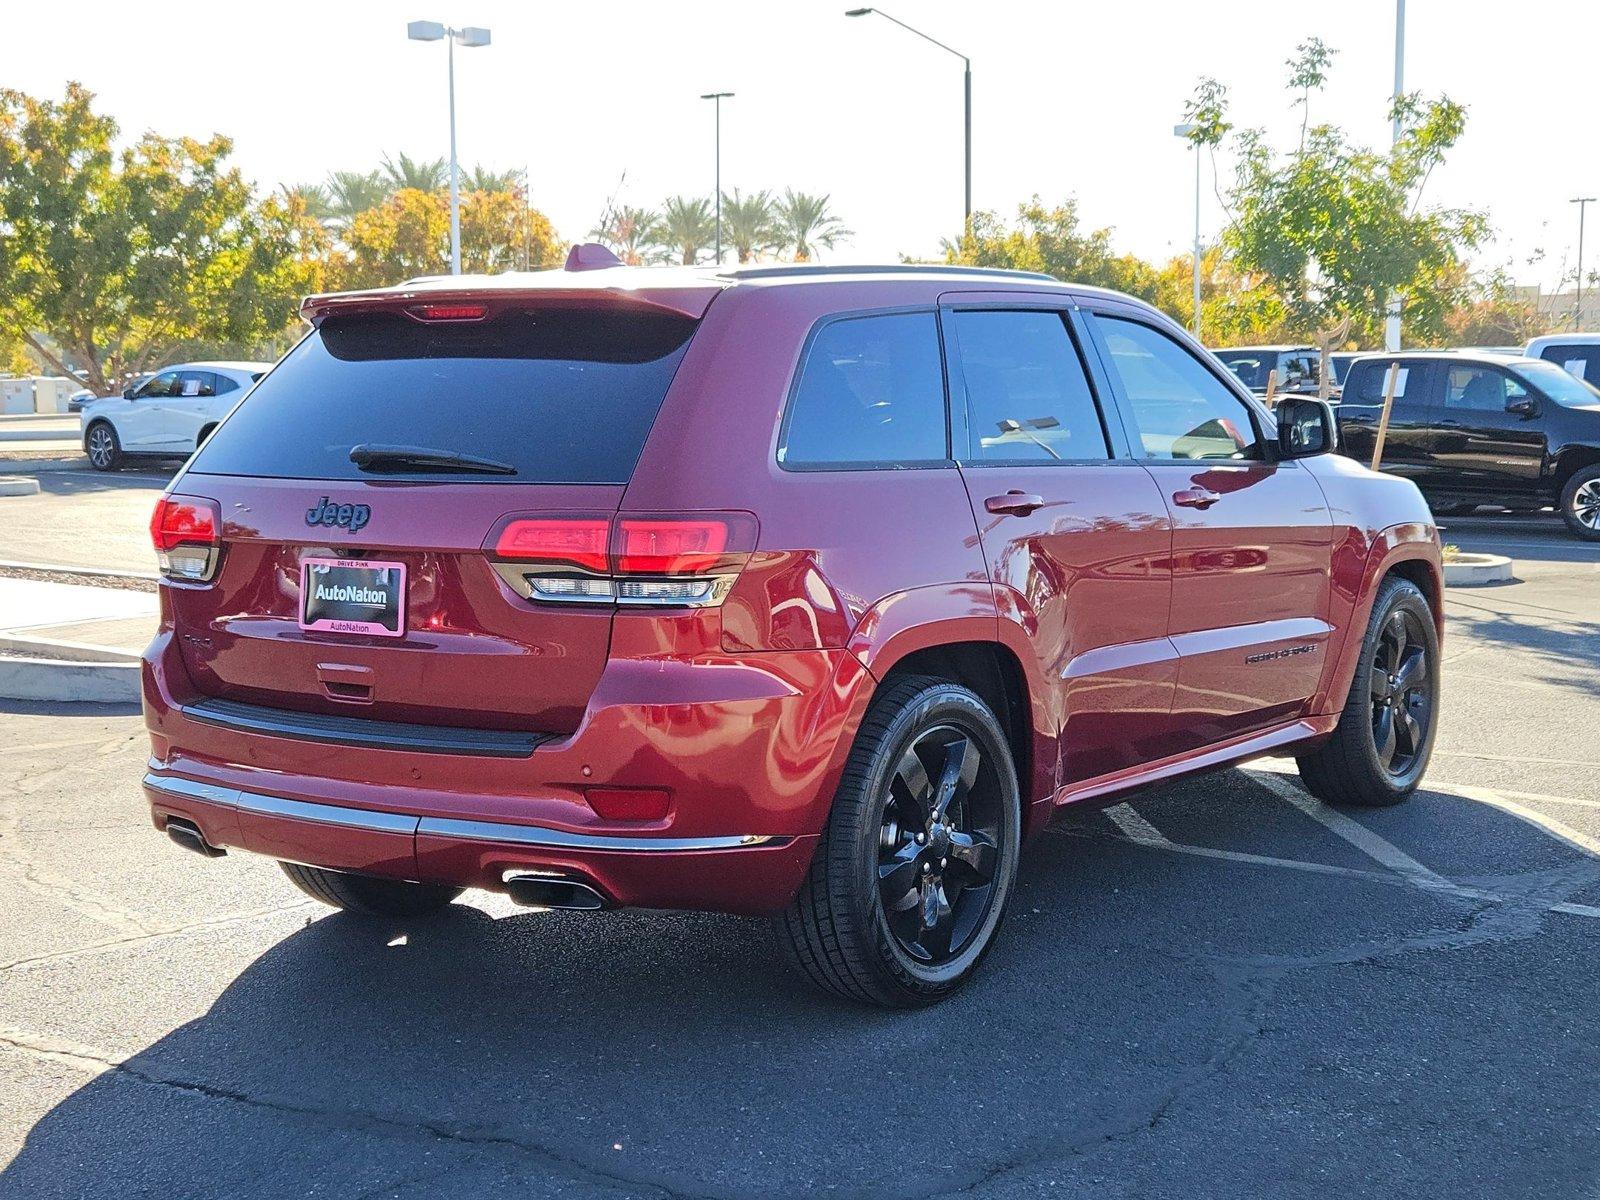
(750, 224)
(423, 175)
(630, 232)
(112, 259)
(805, 223)
(409, 235)
(352, 192)
(1052, 240)
(1334, 227)
(1496, 316)
(481, 179)
(688, 228)
(1308, 71)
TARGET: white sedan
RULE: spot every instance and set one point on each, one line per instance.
(169, 414)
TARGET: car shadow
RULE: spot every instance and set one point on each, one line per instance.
(1148, 1017)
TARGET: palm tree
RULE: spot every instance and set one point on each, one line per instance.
(806, 224)
(314, 198)
(687, 228)
(481, 179)
(352, 192)
(750, 223)
(422, 174)
(629, 231)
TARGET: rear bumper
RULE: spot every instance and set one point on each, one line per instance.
(748, 874)
(749, 748)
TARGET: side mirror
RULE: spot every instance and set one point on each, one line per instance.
(1305, 427)
(1523, 406)
(127, 392)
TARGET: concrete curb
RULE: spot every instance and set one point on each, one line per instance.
(52, 650)
(78, 682)
(7, 564)
(1475, 570)
(18, 485)
(37, 435)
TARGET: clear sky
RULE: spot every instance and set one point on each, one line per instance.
(1072, 97)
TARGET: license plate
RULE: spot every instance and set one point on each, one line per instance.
(342, 595)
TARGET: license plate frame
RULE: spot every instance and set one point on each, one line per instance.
(356, 614)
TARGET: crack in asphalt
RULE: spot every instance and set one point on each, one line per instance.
(155, 935)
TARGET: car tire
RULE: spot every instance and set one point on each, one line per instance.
(369, 895)
(1457, 508)
(929, 800)
(1380, 749)
(204, 434)
(103, 446)
(1580, 503)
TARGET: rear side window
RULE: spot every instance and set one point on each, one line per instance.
(1581, 361)
(564, 395)
(1028, 399)
(870, 393)
(1367, 381)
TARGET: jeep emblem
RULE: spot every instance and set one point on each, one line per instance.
(346, 516)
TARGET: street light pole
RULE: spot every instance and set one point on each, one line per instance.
(1184, 131)
(470, 36)
(716, 99)
(966, 79)
(1583, 203)
(1391, 332)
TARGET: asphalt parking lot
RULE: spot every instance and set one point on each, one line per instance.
(1217, 987)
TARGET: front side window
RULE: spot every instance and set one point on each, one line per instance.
(1028, 397)
(870, 393)
(1480, 389)
(159, 387)
(1559, 384)
(1182, 410)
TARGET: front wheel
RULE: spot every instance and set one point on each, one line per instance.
(1380, 749)
(1580, 503)
(911, 877)
(103, 447)
(369, 895)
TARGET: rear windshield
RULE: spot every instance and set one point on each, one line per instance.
(562, 395)
(1251, 366)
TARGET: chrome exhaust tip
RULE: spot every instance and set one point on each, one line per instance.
(187, 834)
(538, 890)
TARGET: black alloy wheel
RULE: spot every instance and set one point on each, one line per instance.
(1402, 700)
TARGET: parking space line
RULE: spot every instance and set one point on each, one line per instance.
(1351, 830)
(1559, 830)
(1136, 827)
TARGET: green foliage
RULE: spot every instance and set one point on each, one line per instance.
(630, 232)
(1052, 240)
(423, 175)
(805, 223)
(750, 224)
(118, 257)
(687, 229)
(1207, 112)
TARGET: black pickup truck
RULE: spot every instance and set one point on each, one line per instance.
(1479, 428)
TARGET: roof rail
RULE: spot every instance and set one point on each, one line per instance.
(804, 269)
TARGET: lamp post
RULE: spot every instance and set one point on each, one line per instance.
(1583, 203)
(716, 99)
(966, 80)
(1391, 330)
(433, 31)
(1185, 131)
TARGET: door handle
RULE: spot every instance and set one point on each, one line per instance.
(1195, 497)
(1449, 424)
(1013, 504)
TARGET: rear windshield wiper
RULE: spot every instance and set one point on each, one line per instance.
(370, 456)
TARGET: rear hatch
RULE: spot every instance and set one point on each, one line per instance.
(362, 486)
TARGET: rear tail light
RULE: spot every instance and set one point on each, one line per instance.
(449, 312)
(687, 561)
(187, 533)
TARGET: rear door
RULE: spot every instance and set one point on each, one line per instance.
(1251, 536)
(1479, 448)
(1072, 528)
(1407, 447)
(559, 397)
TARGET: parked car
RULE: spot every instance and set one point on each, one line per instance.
(1474, 429)
(1576, 353)
(1339, 366)
(169, 414)
(807, 591)
(1298, 367)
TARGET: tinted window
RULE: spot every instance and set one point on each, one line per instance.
(1558, 384)
(871, 391)
(1367, 380)
(226, 384)
(563, 395)
(1181, 409)
(197, 383)
(162, 385)
(1028, 398)
(1480, 389)
(1579, 360)
(1251, 366)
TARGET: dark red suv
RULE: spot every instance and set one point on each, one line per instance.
(791, 590)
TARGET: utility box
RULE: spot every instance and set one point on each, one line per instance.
(50, 393)
(16, 396)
